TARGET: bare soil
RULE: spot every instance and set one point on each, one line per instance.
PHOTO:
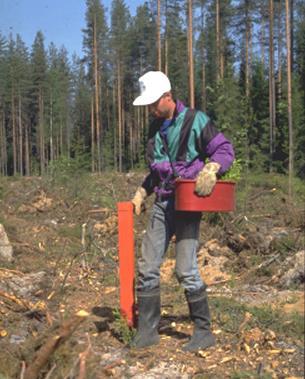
(67, 232)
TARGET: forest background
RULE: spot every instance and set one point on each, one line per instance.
(242, 62)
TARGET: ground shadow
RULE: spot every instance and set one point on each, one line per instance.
(167, 329)
(165, 325)
(108, 318)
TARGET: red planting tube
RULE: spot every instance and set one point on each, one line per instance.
(126, 261)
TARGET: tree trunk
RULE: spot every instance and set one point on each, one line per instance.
(166, 43)
(96, 87)
(115, 140)
(14, 133)
(203, 74)
(107, 103)
(290, 126)
(250, 52)
(41, 133)
(20, 137)
(190, 51)
(159, 35)
(291, 33)
(61, 141)
(248, 33)
(218, 43)
(131, 142)
(51, 129)
(68, 141)
(123, 122)
(271, 88)
(3, 145)
(27, 152)
(247, 58)
(203, 89)
(139, 130)
(119, 102)
(262, 35)
(92, 136)
(279, 50)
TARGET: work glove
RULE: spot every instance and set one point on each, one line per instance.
(206, 179)
(138, 200)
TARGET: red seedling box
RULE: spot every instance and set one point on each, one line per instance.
(222, 198)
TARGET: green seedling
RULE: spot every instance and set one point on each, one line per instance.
(124, 332)
(234, 172)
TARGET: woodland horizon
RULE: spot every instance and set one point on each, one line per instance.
(242, 63)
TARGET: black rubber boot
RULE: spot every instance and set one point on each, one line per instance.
(149, 317)
(202, 337)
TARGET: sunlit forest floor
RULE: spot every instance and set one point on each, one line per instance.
(63, 231)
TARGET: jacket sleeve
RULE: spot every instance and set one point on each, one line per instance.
(215, 146)
(220, 150)
(149, 183)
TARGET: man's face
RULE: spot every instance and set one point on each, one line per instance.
(161, 108)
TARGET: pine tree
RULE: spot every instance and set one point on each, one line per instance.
(200, 55)
(23, 91)
(16, 98)
(120, 22)
(300, 46)
(289, 100)
(39, 77)
(80, 108)
(258, 133)
(95, 46)
(12, 95)
(244, 20)
(141, 58)
(159, 61)
(53, 109)
(272, 115)
(58, 92)
(298, 90)
(219, 49)
(177, 47)
(190, 54)
(3, 85)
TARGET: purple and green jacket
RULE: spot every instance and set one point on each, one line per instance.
(188, 147)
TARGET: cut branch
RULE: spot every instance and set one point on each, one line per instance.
(53, 342)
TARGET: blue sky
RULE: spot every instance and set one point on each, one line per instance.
(61, 21)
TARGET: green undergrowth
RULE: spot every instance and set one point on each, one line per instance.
(229, 314)
(101, 190)
(1, 190)
(68, 231)
(264, 186)
(121, 328)
(249, 375)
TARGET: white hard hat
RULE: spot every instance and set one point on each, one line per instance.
(153, 85)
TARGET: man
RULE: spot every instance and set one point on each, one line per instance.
(179, 141)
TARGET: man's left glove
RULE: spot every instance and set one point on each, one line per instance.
(206, 179)
(138, 200)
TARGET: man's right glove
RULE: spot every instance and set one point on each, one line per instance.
(138, 200)
(206, 179)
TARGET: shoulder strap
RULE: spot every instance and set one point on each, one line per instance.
(165, 146)
(184, 136)
(185, 133)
